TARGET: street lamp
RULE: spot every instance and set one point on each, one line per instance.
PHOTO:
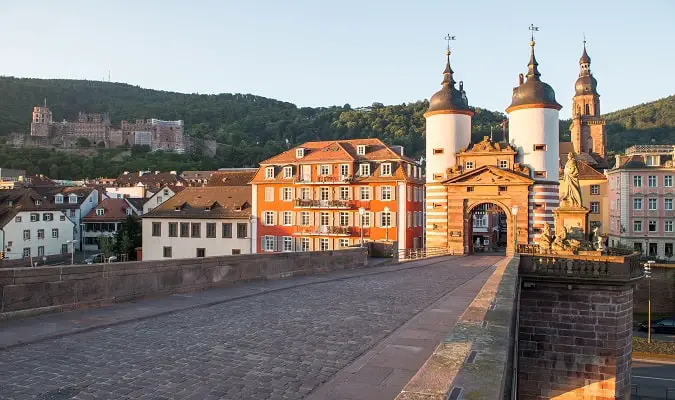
(514, 211)
(362, 211)
(72, 252)
(648, 275)
(386, 211)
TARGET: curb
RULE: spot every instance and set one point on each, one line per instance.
(203, 305)
(654, 358)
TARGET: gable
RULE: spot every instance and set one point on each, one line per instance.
(489, 175)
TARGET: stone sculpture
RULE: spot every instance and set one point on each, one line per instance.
(570, 189)
(546, 238)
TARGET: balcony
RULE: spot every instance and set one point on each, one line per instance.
(340, 204)
(324, 230)
(324, 179)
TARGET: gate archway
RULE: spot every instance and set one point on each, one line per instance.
(488, 228)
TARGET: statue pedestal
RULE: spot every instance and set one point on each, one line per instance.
(575, 219)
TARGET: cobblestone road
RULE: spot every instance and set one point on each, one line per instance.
(278, 345)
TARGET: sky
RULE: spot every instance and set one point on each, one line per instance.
(322, 53)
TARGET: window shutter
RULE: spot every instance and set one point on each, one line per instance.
(378, 192)
(371, 218)
(293, 218)
(280, 243)
(393, 192)
(281, 193)
(370, 192)
(349, 193)
(274, 218)
(409, 219)
(378, 220)
(350, 219)
(408, 191)
(393, 219)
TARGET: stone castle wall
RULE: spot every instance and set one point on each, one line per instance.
(663, 291)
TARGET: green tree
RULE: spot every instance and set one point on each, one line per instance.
(107, 246)
(82, 142)
(128, 237)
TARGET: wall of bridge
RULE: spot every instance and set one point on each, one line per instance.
(33, 291)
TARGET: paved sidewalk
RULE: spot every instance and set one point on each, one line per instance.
(382, 372)
(30, 330)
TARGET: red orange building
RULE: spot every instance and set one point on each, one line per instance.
(333, 194)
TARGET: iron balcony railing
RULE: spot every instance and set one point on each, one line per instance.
(344, 204)
(413, 254)
(324, 230)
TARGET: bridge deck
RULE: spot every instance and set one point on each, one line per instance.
(347, 335)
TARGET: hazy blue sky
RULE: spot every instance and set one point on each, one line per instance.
(316, 53)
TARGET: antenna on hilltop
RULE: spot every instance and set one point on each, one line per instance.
(108, 75)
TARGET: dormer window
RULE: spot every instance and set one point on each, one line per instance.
(100, 211)
(469, 165)
(72, 199)
(269, 173)
(38, 202)
(130, 211)
(364, 169)
(361, 149)
(385, 169)
(237, 208)
(177, 208)
(288, 172)
(58, 199)
(299, 153)
(503, 164)
(10, 202)
(207, 208)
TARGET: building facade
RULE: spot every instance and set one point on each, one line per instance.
(200, 222)
(162, 195)
(641, 196)
(105, 220)
(334, 194)
(75, 202)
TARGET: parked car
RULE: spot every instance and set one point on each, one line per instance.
(664, 325)
(99, 258)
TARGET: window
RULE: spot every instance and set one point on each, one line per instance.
(438, 151)
(26, 252)
(58, 199)
(361, 149)
(129, 211)
(269, 194)
(668, 181)
(184, 229)
(34, 217)
(62, 217)
(364, 193)
(668, 249)
(323, 219)
(196, 229)
(159, 199)
(210, 230)
(653, 249)
(324, 170)
(344, 218)
(268, 218)
(386, 193)
(166, 252)
(299, 153)
(269, 173)
(64, 249)
(668, 225)
(468, 165)
(269, 243)
(100, 211)
(366, 220)
(344, 193)
(637, 204)
(637, 181)
(288, 172)
(652, 204)
(324, 193)
(385, 220)
(55, 233)
(287, 194)
(637, 226)
(668, 204)
(236, 251)
(539, 147)
(344, 243)
(438, 177)
(385, 169)
(201, 252)
(304, 218)
(364, 169)
(40, 234)
(595, 189)
(469, 188)
(637, 246)
(502, 188)
(540, 174)
(38, 202)
(166, 192)
(503, 164)
(288, 243)
(595, 207)
(344, 170)
(304, 244)
(652, 161)
(17, 219)
(305, 193)
(323, 244)
(242, 230)
(652, 226)
(651, 181)
(287, 218)
(72, 199)
(156, 229)
(227, 230)
(41, 251)
(173, 229)
(72, 213)
(48, 217)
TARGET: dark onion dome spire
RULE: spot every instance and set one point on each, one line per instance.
(449, 98)
(586, 83)
(533, 92)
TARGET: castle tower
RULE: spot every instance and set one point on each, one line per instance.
(448, 130)
(588, 128)
(42, 121)
(534, 132)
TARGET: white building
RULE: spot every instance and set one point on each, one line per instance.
(162, 195)
(200, 222)
(32, 228)
(105, 220)
(75, 202)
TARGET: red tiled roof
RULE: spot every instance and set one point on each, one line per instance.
(231, 178)
(338, 150)
(115, 210)
(193, 201)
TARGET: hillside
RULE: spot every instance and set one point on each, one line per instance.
(249, 128)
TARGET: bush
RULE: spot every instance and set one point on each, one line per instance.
(641, 345)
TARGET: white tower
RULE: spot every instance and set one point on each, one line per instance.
(534, 132)
(448, 130)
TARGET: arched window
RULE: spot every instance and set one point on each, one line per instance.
(588, 109)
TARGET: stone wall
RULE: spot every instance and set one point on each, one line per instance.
(33, 291)
(574, 341)
(663, 291)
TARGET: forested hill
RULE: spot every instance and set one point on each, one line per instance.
(646, 123)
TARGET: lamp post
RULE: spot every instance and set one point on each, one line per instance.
(386, 210)
(72, 252)
(648, 275)
(362, 211)
(514, 211)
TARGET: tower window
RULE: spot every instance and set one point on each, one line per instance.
(438, 151)
(438, 176)
(540, 174)
(469, 188)
(588, 107)
(539, 147)
(502, 188)
(469, 165)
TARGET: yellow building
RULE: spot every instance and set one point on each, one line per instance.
(594, 195)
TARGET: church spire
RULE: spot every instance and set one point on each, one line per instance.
(449, 98)
(585, 62)
(532, 71)
(448, 72)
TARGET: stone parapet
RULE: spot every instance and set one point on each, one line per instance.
(34, 291)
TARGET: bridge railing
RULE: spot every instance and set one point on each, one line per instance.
(413, 254)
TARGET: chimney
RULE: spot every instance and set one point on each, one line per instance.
(140, 173)
(617, 161)
(126, 172)
(397, 149)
